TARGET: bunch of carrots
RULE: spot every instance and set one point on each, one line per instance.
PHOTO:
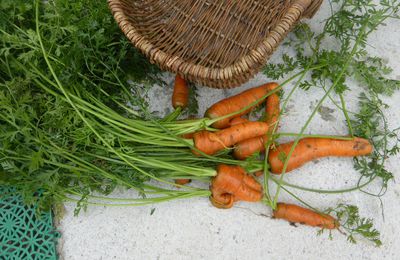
(107, 144)
(246, 138)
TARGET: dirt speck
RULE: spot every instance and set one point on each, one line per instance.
(326, 113)
(289, 108)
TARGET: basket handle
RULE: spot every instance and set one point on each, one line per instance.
(310, 6)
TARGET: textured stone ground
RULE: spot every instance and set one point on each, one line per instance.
(193, 229)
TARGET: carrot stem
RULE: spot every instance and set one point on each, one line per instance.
(346, 115)
(267, 173)
(173, 115)
(184, 195)
(322, 191)
(68, 98)
(338, 137)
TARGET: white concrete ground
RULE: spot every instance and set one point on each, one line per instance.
(193, 229)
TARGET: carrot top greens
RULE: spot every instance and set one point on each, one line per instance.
(348, 27)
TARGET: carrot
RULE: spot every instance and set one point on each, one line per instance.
(258, 173)
(180, 97)
(237, 120)
(182, 181)
(297, 214)
(272, 109)
(222, 200)
(236, 103)
(212, 142)
(309, 149)
(251, 146)
(232, 184)
(187, 136)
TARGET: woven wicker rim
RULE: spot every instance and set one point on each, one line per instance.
(230, 76)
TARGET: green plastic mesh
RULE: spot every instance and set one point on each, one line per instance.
(24, 235)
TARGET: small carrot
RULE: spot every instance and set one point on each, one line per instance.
(297, 214)
(180, 96)
(182, 181)
(187, 136)
(309, 149)
(231, 184)
(258, 173)
(236, 103)
(251, 146)
(212, 142)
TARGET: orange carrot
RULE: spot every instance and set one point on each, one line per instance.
(309, 149)
(236, 103)
(258, 173)
(212, 142)
(251, 146)
(222, 200)
(297, 214)
(232, 184)
(237, 120)
(272, 110)
(182, 181)
(180, 97)
(187, 136)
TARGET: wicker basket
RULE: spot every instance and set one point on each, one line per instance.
(217, 43)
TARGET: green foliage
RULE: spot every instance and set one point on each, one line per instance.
(193, 106)
(42, 139)
(355, 225)
(370, 122)
(81, 36)
(333, 57)
(352, 19)
(371, 72)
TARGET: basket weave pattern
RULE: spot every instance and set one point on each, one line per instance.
(219, 44)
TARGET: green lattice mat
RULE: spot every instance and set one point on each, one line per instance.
(23, 235)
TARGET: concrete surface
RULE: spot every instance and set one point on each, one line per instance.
(193, 229)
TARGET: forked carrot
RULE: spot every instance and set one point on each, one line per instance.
(309, 149)
(212, 142)
(251, 146)
(236, 103)
(231, 184)
(180, 96)
(297, 214)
